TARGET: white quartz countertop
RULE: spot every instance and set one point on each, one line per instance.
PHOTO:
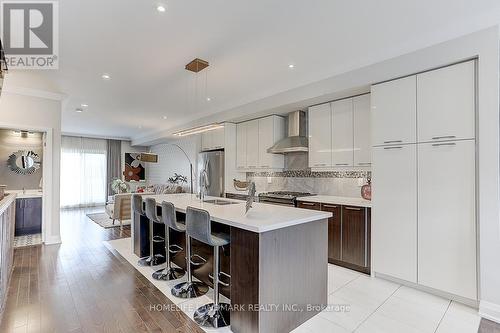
(334, 200)
(26, 194)
(6, 201)
(261, 218)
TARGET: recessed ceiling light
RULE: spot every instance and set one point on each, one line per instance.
(164, 117)
(84, 105)
(161, 8)
(208, 99)
(79, 110)
(291, 66)
(139, 127)
(106, 77)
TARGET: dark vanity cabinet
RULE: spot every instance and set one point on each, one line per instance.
(28, 216)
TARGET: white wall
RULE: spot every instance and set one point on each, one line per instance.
(41, 114)
(171, 159)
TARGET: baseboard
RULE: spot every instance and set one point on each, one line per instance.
(490, 311)
(460, 299)
(50, 240)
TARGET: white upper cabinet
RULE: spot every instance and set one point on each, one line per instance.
(393, 113)
(320, 136)
(253, 144)
(212, 140)
(253, 138)
(394, 213)
(362, 131)
(218, 136)
(271, 130)
(446, 103)
(241, 146)
(342, 133)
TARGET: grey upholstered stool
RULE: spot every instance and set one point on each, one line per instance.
(199, 226)
(153, 259)
(138, 208)
(169, 219)
(190, 288)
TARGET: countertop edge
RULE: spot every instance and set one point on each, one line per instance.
(335, 200)
(6, 201)
(314, 216)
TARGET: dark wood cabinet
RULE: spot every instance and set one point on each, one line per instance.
(309, 205)
(348, 234)
(354, 236)
(334, 231)
(28, 216)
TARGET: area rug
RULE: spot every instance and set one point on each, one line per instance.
(104, 221)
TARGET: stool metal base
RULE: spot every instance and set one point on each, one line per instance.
(157, 259)
(168, 274)
(209, 316)
(189, 289)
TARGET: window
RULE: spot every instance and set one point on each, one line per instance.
(83, 172)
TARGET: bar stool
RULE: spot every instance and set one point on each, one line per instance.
(199, 226)
(190, 288)
(169, 219)
(153, 259)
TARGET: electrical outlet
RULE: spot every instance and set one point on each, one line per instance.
(269, 180)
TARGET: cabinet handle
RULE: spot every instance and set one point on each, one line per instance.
(330, 206)
(444, 144)
(398, 147)
(393, 141)
(265, 166)
(341, 164)
(353, 208)
(364, 163)
(308, 204)
(320, 164)
(444, 137)
(252, 166)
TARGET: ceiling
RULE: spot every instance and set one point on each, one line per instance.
(249, 44)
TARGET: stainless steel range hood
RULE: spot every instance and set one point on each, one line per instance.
(297, 140)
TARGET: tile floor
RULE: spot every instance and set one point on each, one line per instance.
(358, 303)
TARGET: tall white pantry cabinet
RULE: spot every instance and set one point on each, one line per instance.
(424, 179)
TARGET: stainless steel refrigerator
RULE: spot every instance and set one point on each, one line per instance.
(211, 171)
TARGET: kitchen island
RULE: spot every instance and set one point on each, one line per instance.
(277, 260)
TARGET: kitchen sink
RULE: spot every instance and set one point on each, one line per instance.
(220, 202)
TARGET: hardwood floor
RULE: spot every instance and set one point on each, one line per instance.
(81, 286)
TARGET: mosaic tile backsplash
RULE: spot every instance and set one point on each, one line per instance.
(338, 183)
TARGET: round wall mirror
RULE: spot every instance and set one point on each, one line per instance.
(24, 162)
